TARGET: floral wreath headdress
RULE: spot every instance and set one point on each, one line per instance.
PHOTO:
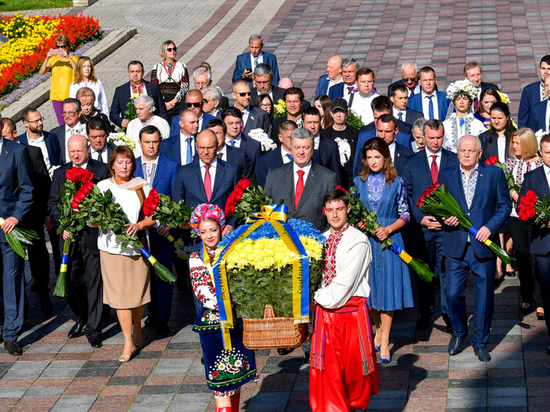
(206, 210)
(462, 86)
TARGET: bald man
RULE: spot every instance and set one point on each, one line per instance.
(332, 77)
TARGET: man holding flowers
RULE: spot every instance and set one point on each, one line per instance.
(481, 192)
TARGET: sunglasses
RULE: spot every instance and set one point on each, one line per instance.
(245, 94)
(171, 49)
(193, 104)
(60, 46)
(409, 79)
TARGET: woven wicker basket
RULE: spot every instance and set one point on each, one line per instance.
(272, 333)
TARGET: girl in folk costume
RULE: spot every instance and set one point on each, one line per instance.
(343, 371)
(226, 371)
(460, 119)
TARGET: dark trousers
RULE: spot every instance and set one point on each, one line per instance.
(39, 259)
(12, 296)
(160, 307)
(529, 281)
(544, 268)
(484, 279)
(85, 287)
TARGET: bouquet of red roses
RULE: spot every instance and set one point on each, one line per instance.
(493, 161)
(245, 200)
(531, 208)
(437, 201)
(162, 208)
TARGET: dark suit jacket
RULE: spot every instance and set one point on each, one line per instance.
(415, 102)
(537, 116)
(536, 181)
(88, 234)
(491, 206)
(279, 185)
(257, 119)
(238, 157)
(401, 153)
(52, 144)
(16, 188)
(42, 185)
(411, 116)
(276, 91)
(175, 124)
(337, 90)
(485, 85)
(270, 160)
(252, 148)
(171, 148)
(122, 97)
(322, 85)
(328, 156)
(529, 97)
(243, 62)
(491, 148)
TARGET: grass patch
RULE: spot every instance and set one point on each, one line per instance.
(15, 5)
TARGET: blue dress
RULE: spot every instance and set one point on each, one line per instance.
(389, 280)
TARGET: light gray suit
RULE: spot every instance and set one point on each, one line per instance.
(279, 185)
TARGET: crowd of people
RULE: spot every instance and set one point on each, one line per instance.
(193, 143)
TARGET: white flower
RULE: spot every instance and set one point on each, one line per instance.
(120, 139)
(539, 134)
(462, 86)
(262, 137)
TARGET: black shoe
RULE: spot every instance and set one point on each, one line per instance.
(511, 274)
(76, 330)
(424, 321)
(163, 329)
(284, 352)
(306, 357)
(498, 282)
(454, 345)
(46, 305)
(482, 354)
(95, 342)
(13, 348)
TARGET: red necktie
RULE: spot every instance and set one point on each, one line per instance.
(299, 188)
(207, 182)
(434, 169)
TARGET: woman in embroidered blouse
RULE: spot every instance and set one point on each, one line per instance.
(172, 78)
(382, 191)
(487, 98)
(524, 159)
(84, 76)
(461, 122)
(226, 371)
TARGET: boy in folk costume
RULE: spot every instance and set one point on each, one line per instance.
(343, 371)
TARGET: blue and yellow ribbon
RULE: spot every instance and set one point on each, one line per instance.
(474, 231)
(277, 216)
(148, 256)
(405, 257)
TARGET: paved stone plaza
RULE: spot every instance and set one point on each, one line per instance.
(68, 375)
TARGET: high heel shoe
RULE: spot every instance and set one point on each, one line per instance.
(385, 361)
(377, 348)
(124, 359)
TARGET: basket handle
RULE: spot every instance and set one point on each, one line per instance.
(268, 312)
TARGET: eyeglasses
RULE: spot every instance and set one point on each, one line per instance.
(245, 94)
(40, 120)
(198, 104)
(171, 49)
(206, 148)
(409, 79)
(60, 46)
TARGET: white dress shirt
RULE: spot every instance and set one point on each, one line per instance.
(237, 141)
(183, 148)
(426, 106)
(362, 106)
(284, 154)
(212, 172)
(547, 117)
(392, 152)
(306, 169)
(148, 172)
(135, 126)
(41, 144)
(429, 155)
(260, 60)
(104, 155)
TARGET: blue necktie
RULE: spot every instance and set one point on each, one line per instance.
(289, 156)
(400, 116)
(232, 143)
(430, 108)
(462, 121)
(189, 151)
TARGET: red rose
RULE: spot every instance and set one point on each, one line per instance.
(244, 184)
(78, 175)
(491, 161)
(151, 203)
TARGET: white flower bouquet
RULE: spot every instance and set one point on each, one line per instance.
(262, 137)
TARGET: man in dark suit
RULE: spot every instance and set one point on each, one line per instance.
(482, 193)
(97, 131)
(253, 117)
(386, 128)
(326, 150)
(538, 113)
(202, 79)
(421, 170)
(230, 154)
(72, 126)
(278, 157)
(263, 78)
(180, 147)
(333, 76)
(39, 258)
(472, 72)
(84, 283)
(232, 117)
(247, 62)
(349, 83)
(136, 85)
(399, 99)
(16, 198)
(432, 103)
(538, 181)
(532, 94)
(160, 172)
(409, 79)
(36, 136)
(301, 184)
(193, 101)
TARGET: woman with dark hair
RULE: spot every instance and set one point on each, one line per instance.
(264, 102)
(487, 98)
(383, 192)
(125, 273)
(62, 65)
(172, 78)
(323, 103)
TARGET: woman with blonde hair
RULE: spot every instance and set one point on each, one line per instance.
(84, 76)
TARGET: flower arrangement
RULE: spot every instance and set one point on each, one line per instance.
(206, 210)
(533, 209)
(245, 200)
(437, 201)
(503, 97)
(279, 109)
(30, 40)
(354, 120)
(493, 161)
(130, 112)
(18, 236)
(461, 86)
(120, 139)
(263, 138)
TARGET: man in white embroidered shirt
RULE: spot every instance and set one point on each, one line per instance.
(343, 371)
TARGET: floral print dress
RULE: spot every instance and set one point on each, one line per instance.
(225, 370)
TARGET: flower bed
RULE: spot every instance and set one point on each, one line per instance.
(30, 40)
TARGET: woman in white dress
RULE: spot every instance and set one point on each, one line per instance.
(84, 76)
